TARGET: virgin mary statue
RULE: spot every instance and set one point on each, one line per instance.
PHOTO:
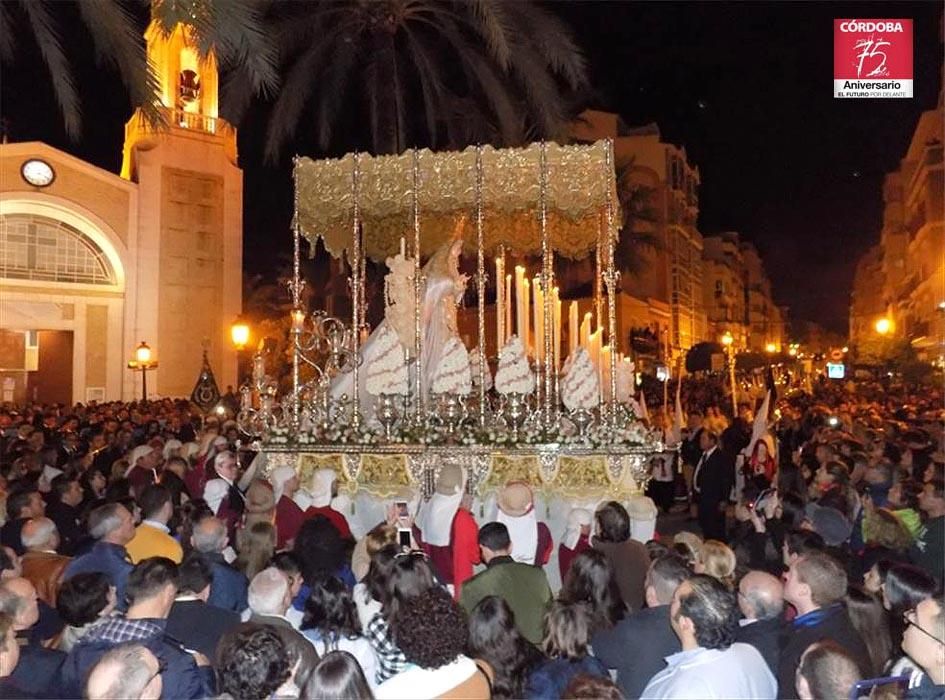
(443, 288)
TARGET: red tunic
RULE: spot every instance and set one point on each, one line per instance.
(289, 518)
(566, 555)
(336, 518)
(454, 563)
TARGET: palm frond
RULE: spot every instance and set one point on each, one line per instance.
(332, 88)
(542, 95)
(490, 21)
(7, 40)
(431, 88)
(118, 43)
(296, 91)
(63, 83)
(553, 41)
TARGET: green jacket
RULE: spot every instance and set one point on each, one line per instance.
(524, 587)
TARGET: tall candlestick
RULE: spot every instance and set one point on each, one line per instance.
(526, 338)
(508, 309)
(539, 319)
(573, 338)
(500, 302)
(557, 327)
(521, 321)
(586, 331)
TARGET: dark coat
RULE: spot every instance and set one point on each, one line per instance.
(229, 589)
(199, 626)
(765, 636)
(630, 562)
(39, 671)
(637, 647)
(830, 623)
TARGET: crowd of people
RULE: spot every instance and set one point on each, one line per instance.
(144, 555)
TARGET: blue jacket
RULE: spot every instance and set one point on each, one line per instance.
(106, 558)
(229, 589)
(182, 679)
(549, 680)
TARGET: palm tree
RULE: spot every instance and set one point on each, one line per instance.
(637, 216)
(430, 71)
(231, 28)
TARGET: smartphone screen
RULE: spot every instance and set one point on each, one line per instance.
(404, 538)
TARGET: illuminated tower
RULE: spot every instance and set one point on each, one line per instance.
(189, 218)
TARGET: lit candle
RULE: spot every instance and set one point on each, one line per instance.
(539, 320)
(573, 337)
(508, 308)
(521, 321)
(586, 332)
(605, 372)
(525, 315)
(557, 327)
(499, 302)
(403, 246)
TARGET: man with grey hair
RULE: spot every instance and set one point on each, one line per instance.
(113, 527)
(761, 602)
(228, 590)
(637, 645)
(270, 595)
(38, 671)
(41, 564)
(127, 671)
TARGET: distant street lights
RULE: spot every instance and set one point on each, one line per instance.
(142, 363)
(883, 326)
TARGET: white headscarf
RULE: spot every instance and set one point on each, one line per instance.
(523, 531)
(171, 445)
(577, 518)
(320, 491)
(136, 454)
(278, 478)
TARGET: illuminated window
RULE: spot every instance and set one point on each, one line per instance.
(42, 249)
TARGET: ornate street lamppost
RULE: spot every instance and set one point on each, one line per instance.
(240, 335)
(142, 363)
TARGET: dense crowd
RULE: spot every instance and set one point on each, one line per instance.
(145, 555)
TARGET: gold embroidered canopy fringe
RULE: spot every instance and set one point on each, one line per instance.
(578, 181)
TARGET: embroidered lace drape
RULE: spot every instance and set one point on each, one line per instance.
(578, 183)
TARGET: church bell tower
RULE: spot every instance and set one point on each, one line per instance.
(189, 216)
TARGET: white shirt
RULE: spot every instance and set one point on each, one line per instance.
(415, 683)
(359, 647)
(702, 460)
(704, 674)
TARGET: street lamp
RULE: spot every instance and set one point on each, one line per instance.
(771, 348)
(727, 341)
(883, 326)
(239, 333)
(142, 363)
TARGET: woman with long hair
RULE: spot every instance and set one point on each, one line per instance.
(494, 638)
(338, 676)
(331, 624)
(431, 631)
(322, 551)
(591, 580)
(869, 619)
(369, 593)
(567, 646)
(905, 587)
(718, 561)
(256, 545)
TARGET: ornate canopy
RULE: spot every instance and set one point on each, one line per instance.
(580, 184)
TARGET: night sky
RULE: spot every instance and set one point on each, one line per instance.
(745, 87)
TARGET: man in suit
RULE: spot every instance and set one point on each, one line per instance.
(636, 647)
(22, 504)
(41, 565)
(228, 590)
(713, 479)
(38, 671)
(815, 585)
(761, 601)
(192, 621)
(523, 586)
(63, 509)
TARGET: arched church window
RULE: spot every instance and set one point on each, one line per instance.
(43, 249)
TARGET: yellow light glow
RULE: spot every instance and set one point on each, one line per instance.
(143, 353)
(727, 339)
(239, 333)
(883, 326)
(792, 352)
(771, 348)
(845, 349)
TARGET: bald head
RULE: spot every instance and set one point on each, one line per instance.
(761, 596)
(209, 536)
(126, 671)
(40, 534)
(18, 600)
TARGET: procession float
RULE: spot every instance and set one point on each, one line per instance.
(387, 407)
